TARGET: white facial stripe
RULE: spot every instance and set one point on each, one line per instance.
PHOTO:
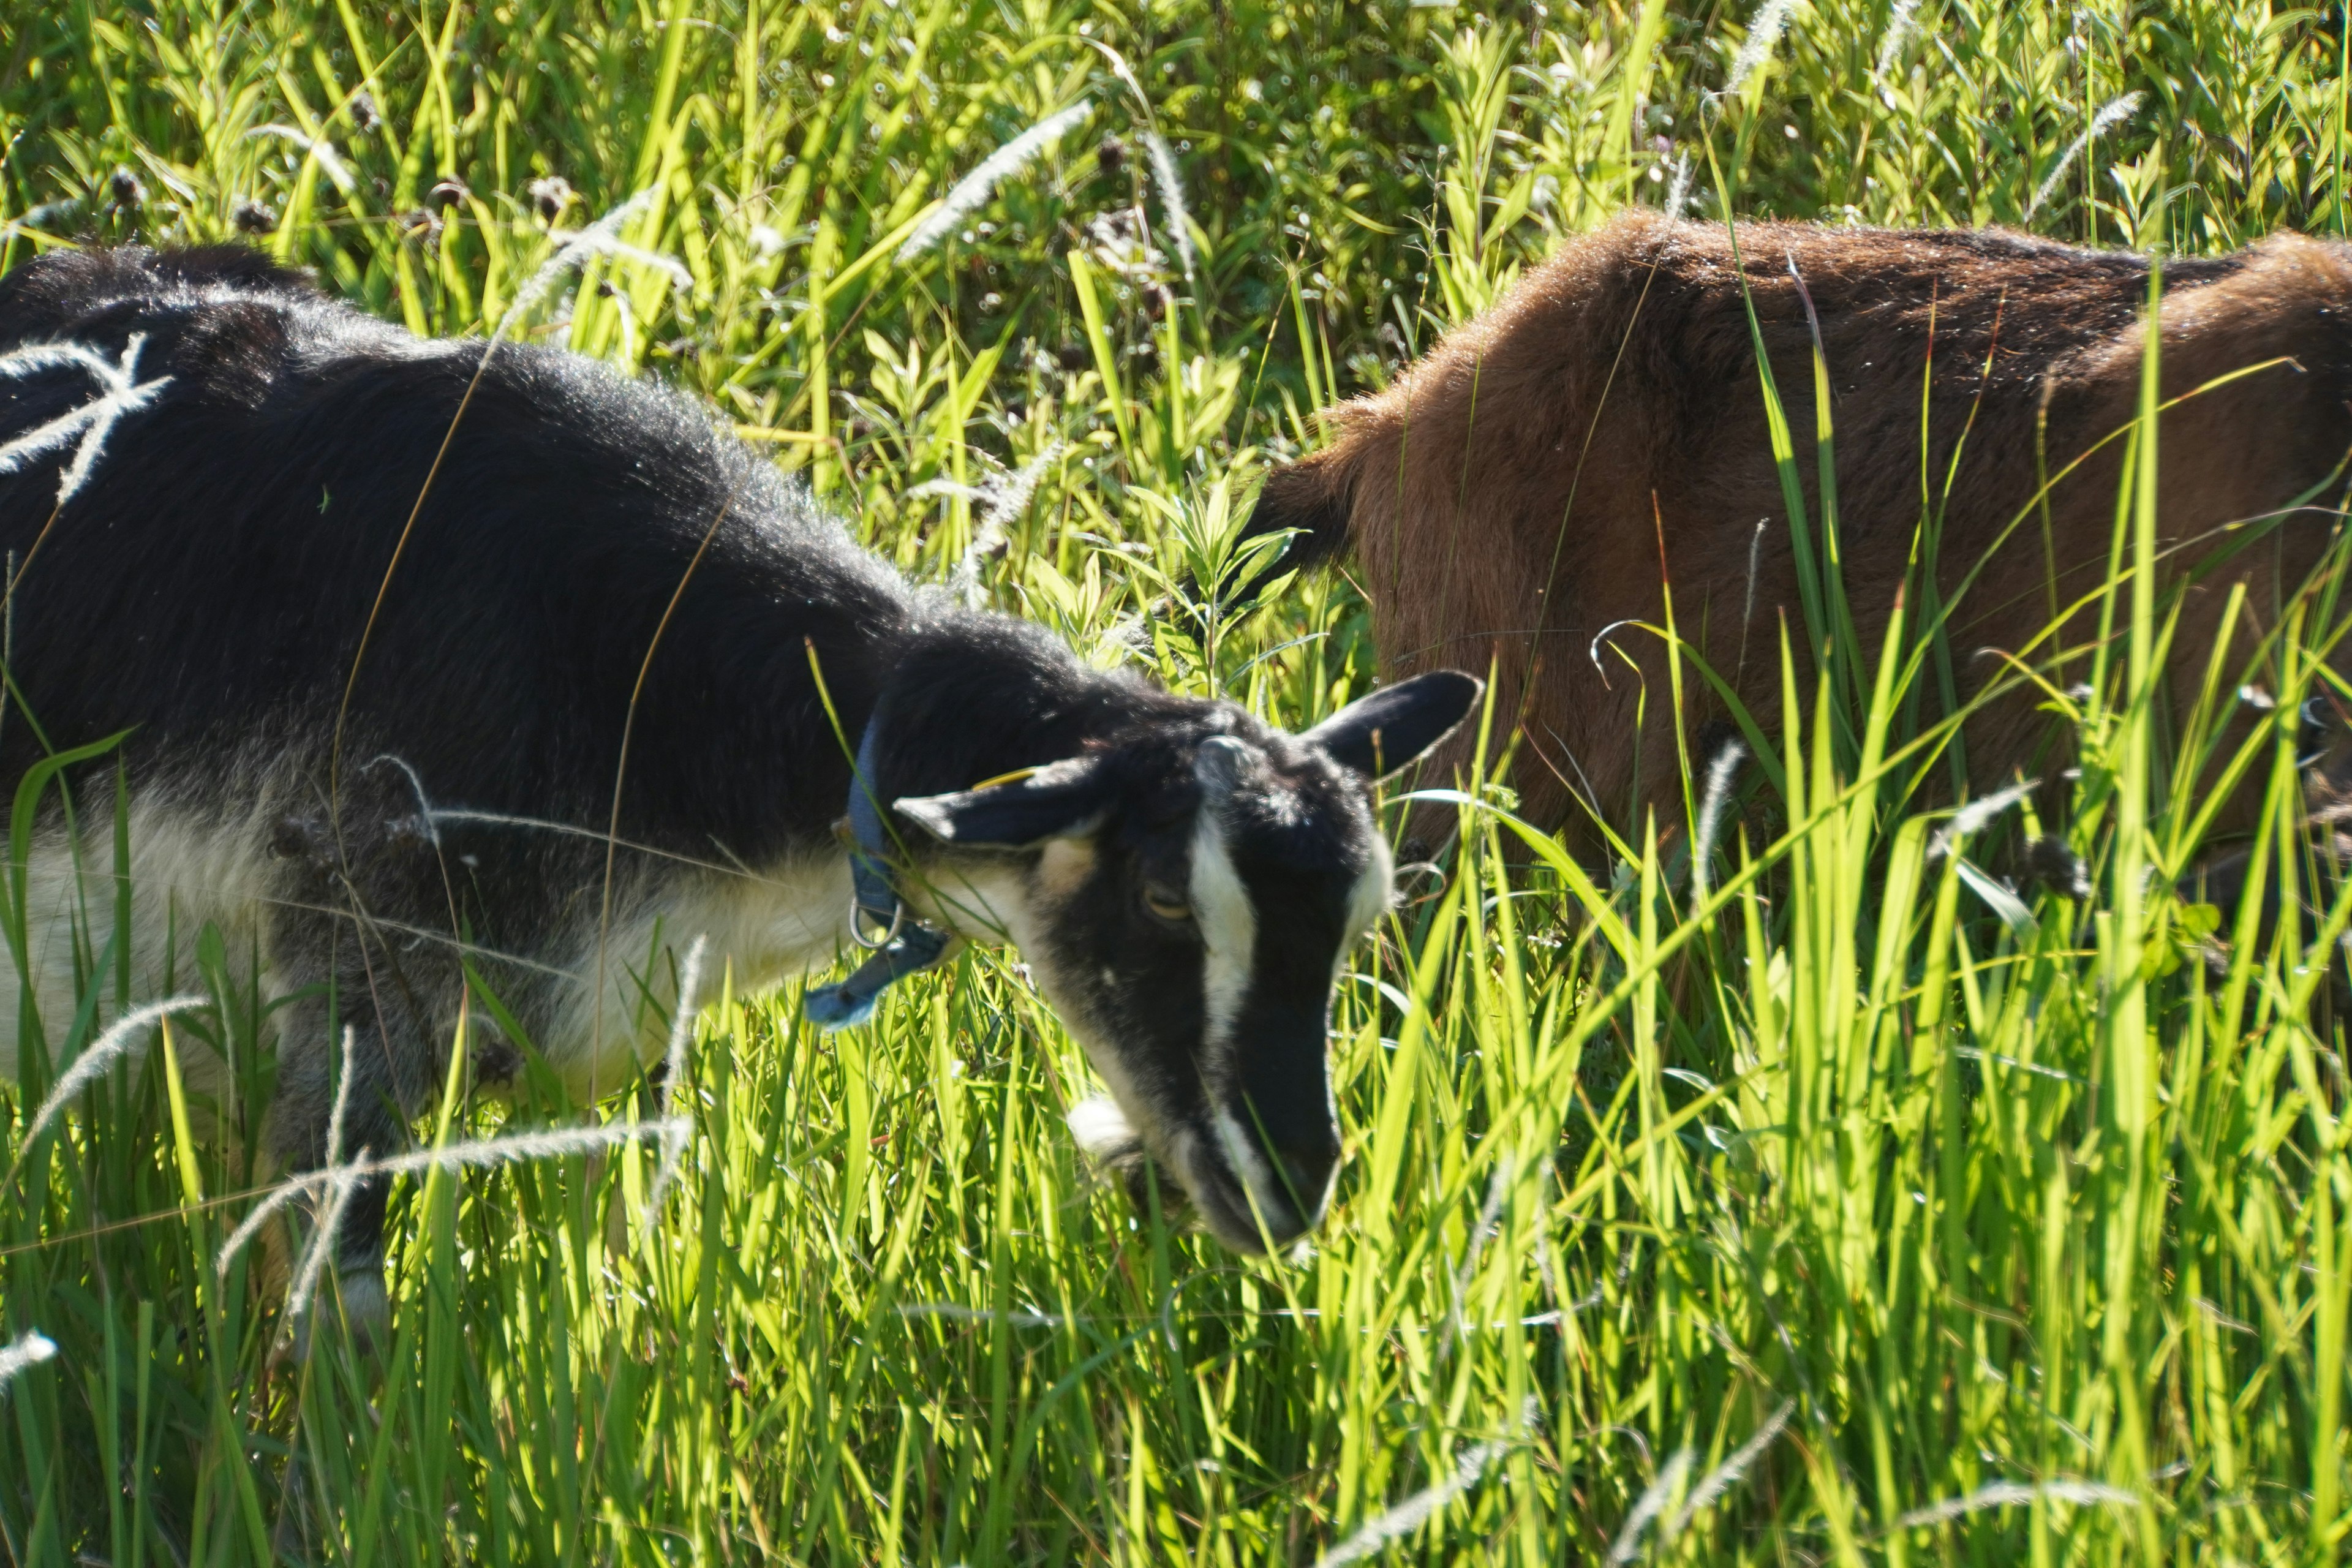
(1227, 922)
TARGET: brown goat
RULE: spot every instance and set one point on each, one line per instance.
(1546, 471)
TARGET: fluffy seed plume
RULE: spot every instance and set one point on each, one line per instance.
(1170, 186)
(104, 1052)
(681, 1023)
(948, 488)
(322, 1242)
(1002, 499)
(2007, 1494)
(1678, 189)
(1764, 30)
(1901, 22)
(2112, 113)
(551, 1145)
(342, 1098)
(983, 1315)
(602, 237)
(681, 1032)
(1726, 1475)
(1415, 1510)
(31, 1350)
(1719, 773)
(120, 393)
(1648, 1506)
(1973, 817)
(973, 190)
(275, 1199)
(317, 147)
(1755, 556)
(339, 1194)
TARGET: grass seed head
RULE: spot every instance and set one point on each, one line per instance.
(972, 191)
(2113, 112)
(1764, 30)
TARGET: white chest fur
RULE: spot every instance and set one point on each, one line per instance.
(761, 927)
(190, 868)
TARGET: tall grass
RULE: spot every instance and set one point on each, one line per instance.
(1840, 1202)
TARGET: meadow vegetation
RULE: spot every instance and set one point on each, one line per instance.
(1819, 1198)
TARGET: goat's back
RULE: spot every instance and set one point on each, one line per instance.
(1549, 469)
(213, 580)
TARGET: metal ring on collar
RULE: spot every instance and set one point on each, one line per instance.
(858, 912)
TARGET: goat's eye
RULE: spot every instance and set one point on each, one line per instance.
(1166, 903)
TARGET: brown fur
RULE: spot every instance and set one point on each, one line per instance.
(1542, 472)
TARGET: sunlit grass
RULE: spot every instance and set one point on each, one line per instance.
(1832, 1210)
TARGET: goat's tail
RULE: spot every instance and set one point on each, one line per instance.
(1315, 496)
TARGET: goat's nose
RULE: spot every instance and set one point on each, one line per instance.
(1305, 1175)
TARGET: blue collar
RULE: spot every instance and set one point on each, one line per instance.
(905, 946)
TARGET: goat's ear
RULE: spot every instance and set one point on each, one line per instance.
(1378, 734)
(1061, 801)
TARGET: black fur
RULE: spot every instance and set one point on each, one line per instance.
(210, 587)
(1399, 721)
(227, 555)
(211, 584)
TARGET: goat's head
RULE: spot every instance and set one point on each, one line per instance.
(1185, 895)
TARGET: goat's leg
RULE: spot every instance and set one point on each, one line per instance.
(363, 1053)
(304, 1139)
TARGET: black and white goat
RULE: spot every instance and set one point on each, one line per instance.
(375, 610)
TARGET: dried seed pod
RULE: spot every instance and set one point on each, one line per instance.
(2052, 862)
(420, 226)
(446, 193)
(365, 118)
(1111, 155)
(252, 216)
(1073, 357)
(550, 195)
(127, 192)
